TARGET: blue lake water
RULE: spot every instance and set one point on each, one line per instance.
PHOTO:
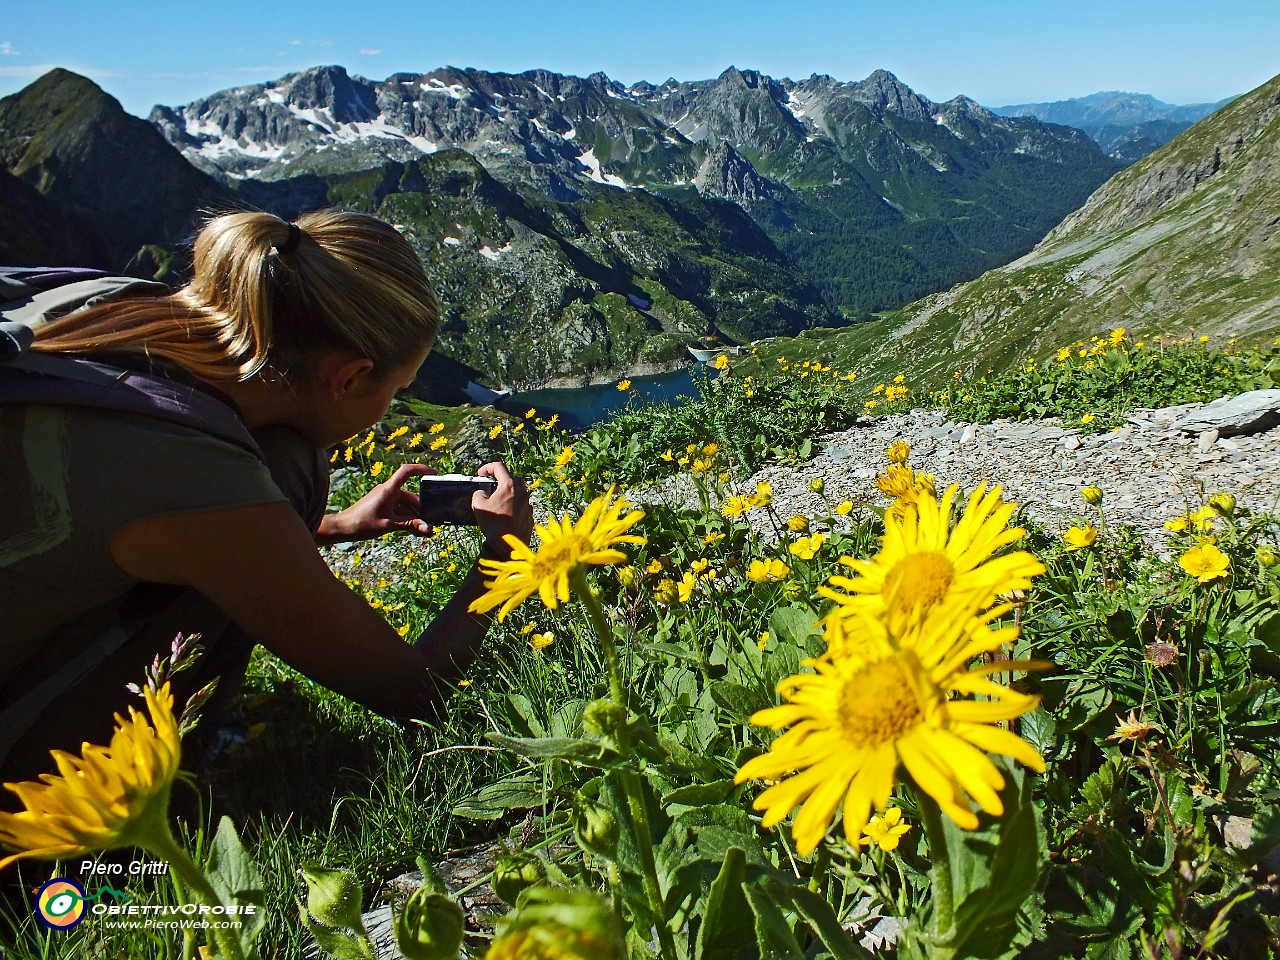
(583, 406)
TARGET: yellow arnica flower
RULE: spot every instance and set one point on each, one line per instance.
(763, 495)
(108, 797)
(891, 698)
(902, 483)
(1204, 562)
(564, 547)
(923, 563)
(1078, 538)
(540, 641)
(563, 458)
(722, 362)
(898, 452)
(886, 830)
(624, 385)
(844, 508)
(436, 428)
(736, 506)
(798, 524)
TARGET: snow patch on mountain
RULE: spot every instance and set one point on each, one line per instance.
(589, 161)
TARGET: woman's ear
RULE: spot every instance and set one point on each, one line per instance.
(343, 372)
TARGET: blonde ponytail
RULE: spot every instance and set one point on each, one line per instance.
(268, 294)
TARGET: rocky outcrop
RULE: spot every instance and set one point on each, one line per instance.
(727, 174)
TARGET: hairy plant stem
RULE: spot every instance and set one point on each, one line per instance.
(940, 857)
(162, 844)
(641, 831)
(604, 632)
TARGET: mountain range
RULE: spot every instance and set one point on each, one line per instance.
(1127, 126)
(1183, 242)
(574, 226)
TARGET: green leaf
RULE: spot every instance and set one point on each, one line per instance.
(700, 794)
(739, 701)
(673, 650)
(1098, 791)
(523, 791)
(726, 927)
(794, 625)
(822, 919)
(994, 871)
(773, 933)
(234, 876)
(522, 710)
(587, 752)
(715, 830)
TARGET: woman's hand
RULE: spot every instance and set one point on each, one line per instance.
(505, 511)
(387, 508)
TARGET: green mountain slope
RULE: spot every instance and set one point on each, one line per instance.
(1186, 240)
(535, 289)
(76, 145)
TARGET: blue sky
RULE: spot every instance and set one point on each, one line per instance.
(995, 51)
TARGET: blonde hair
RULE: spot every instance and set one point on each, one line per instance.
(264, 296)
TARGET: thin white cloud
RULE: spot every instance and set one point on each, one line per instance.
(6, 49)
(370, 52)
(321, 43)
(295, 43)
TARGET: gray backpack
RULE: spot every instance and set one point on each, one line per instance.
(33, 296)
(29, 298)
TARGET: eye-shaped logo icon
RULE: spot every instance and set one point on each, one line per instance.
(60, 903)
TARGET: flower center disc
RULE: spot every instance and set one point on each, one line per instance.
(879, 703)
(554, 559)
(918, 581)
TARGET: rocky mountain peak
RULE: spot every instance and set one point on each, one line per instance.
(886, 94)
(727, 174)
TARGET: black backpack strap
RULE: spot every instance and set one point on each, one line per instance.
(73, 381)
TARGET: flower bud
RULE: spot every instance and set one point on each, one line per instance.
(333, 896)
(1092, 495)
(817, 485)
(515, 872)
(1224, 503)
(604, 718)
(430, 927)
(559, 925)
(1268, 556)
(595, 827)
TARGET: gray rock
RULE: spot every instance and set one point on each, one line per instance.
(1250, 412)
(1072, 442)
(1206, 440)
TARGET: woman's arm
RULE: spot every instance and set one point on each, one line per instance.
(259, 564)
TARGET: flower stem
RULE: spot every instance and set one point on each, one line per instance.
(630, 779)
(940, 857)
(162, 844)
(644, 846)
(604, 632)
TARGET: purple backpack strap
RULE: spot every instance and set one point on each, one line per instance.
(73, 381)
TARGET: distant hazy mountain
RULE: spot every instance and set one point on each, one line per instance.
(1186, 240)
(1126, 126)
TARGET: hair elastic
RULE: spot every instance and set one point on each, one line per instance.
(291, 242)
